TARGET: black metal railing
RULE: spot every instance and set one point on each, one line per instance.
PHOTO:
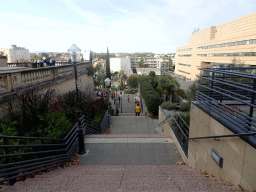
(179, 128)
(228, 95)
(181, 131)
(42, 156)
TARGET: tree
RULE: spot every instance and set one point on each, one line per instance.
(122, 76)
(168, 85)
(82, 59)
(141, 63)
(132, 81)
(108, 74)
(98, 67)
(152, 74)
(170, 63)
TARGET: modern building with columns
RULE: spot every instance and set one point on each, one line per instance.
(229, 44)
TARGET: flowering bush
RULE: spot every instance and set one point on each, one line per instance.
(182, 93)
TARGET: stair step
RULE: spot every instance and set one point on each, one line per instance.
(129, 114)
(122, 178)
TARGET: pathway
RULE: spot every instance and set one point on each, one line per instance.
(132, 157)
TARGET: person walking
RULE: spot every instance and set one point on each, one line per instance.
(128, 99)
(137, 110)
(119, 101)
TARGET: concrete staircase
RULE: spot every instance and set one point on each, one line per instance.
(122, 178)
(131, 158)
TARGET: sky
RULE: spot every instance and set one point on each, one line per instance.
(157, 26)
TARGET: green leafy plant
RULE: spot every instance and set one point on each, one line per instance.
(185, 106)
(169, 105)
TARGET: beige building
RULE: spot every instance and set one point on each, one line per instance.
(15, 54)
(233, 42)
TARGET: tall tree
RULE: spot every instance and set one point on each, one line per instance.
(170, 63)
(108, 74)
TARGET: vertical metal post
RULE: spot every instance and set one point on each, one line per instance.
(121, 104)
(81, 139)
(221, 97)
(253, 98)
(80, 131)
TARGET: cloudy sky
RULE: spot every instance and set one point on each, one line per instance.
(157, 26)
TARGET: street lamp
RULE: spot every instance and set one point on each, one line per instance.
(108, 83)
(74, 51)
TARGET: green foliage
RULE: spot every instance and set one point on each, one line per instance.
(186, 117)
(127, 91)
(99, 117)
(152, 74)
(98, 67)
(169, 105)
(176, 98)
(90, 71)
(54, 125)
(132, 81)
(150, 95)
(185, 106)
(181, 93)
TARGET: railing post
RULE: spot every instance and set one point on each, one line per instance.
(81, 139)
(253, 98)
(221, 97)
(7, 160)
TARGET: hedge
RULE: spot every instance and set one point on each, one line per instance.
(151, 96)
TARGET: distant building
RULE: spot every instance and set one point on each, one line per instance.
(151, 62)
(117, 64)
(86, 55)
(101, 61)
(3, 61)
(229, 44)
(15, 54)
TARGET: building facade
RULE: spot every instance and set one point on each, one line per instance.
(151, 62)
(15, 54)
(228, 44)
(117, 64)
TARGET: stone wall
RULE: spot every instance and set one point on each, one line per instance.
(60, 78)
(239, 157)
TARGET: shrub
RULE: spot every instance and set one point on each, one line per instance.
(184, 106)
(185, 117)
(151, 96)
(169, 105)
(181, 93)
(176, 98)
(127, 91)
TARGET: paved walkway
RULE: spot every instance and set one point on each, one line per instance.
(131, 158)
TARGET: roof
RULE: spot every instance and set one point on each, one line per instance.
(74, 48)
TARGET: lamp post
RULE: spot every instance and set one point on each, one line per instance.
(107, 83)
(116, 90)
(74, 51)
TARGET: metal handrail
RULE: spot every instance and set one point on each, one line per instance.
(221, 136)
(164, 120)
